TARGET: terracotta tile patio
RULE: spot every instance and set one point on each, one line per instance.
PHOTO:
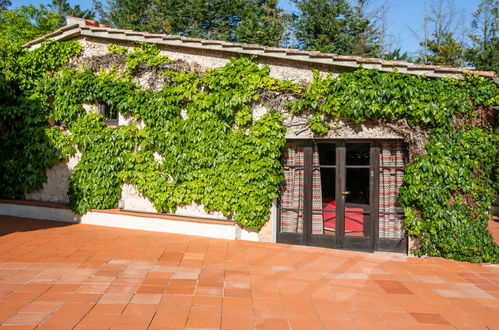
(55, 275)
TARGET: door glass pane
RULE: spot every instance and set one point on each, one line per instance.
(357, 154)
(327, 153)
(292, 189)
(356, 222)
(326, 210)
(357, 202)
(324, 190)
(357, 186)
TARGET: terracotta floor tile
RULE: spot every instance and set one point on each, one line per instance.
(140, 309)
(176, 300)
(122, 288)
(133, 320)
(155, 281)
(209, 323)
(398, 318)
(336, 324)
(115, 298)
(184, 290)
(146, 298)
(160, 322)
(97, 319)
(429, 318)
(159, 289)
(34, 287)
(93, 288)
(372, 326)
(306, 324)
(19, 327)
(26, 319)
(206, 301)
(236, 323)
(108, 308)
(237, 292)
(208, 291)
(64, 288)
(393, 287)
(93, 277)
(159, 275)
(365, 316)
(272, 324)
(182, 282)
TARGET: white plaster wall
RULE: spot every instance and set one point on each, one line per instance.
(135, 201)
(89, 107)
(159, 225)
(259, 111)
(196, 210)
(246, 234)
(205, 60)
(297, 128)
(93, 47)
(57, 185)
(127, 120)
(38, 212)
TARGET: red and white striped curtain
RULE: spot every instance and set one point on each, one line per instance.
(391, 224)
(292, 191)
(317, 218)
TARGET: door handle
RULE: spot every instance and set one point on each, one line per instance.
(345, 192)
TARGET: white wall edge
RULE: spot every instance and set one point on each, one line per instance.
(212, 230)
(39, 212)
(273, 218)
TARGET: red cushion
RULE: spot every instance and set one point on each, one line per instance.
(353, 221)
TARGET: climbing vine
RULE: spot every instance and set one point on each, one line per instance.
(370, 94)
(448, 192)
(201, 143)
(28, 146)
(216, 155)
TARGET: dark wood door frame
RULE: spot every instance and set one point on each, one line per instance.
(339, 240)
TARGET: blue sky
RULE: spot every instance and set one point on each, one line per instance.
(403, 16)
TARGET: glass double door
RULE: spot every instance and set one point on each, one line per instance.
(329, 195)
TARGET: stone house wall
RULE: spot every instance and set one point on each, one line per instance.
(56, 187)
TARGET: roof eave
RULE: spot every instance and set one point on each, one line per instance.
(310, 57)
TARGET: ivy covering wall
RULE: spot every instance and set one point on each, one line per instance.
(201, 143)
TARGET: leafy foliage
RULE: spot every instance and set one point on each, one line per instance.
(216, 156)
(484, 53)
(371, 94)
(448, 192)
(26, 23)
(333, 26)
(145, 54)
(251, 21)
(95, 183)
(28, 147)
(63, 9)
(445, 50)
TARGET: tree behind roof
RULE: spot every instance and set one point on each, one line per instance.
(249, 21)
(333, 26)
(484, 53)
